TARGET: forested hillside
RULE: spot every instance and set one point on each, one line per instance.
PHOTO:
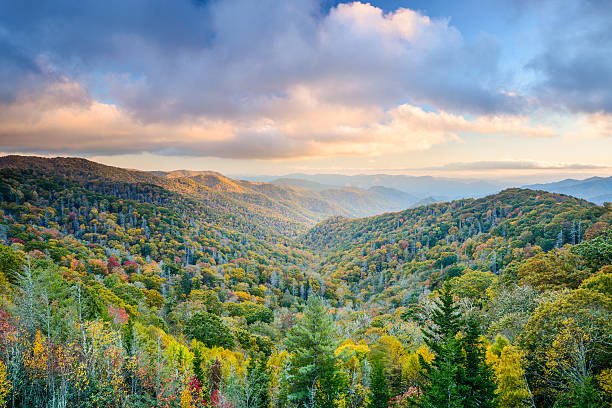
(122, 288)
(284, 210)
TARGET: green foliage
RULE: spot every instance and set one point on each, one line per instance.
(446, 370)
(210, 330)
(107, 273)
(478, 376)
(379, 390)
(596, 252)
(553, 270)
(197, 364)
(458, 375)
(473, 284)
(252, 312)
(11, 264)
(314, 366)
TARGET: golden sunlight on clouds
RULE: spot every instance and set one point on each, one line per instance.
(63, 119)
(595, 125)
(359, 17)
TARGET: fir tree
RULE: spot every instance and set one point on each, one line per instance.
(128, 337)
(379, 390)
(197, 364)
(258, 383)
(478, 382)
(444, 388)
(314, 366)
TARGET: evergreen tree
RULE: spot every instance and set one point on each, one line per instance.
(197, 364)
(315, 375)
(258, 383)
(478, 378)
(379, 390)
(444, 388)
(127, 334)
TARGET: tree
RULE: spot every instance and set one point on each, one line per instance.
(479, 386)
(379, 390)
(556, 269)
(11, 264)
(127, 335)
(210, 330)
(596, 252)
(445, 371)
(507, 362)
(315, 375)
(197, 364)
(568, 340)
(252, 391)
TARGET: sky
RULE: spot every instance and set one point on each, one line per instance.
(495, 89)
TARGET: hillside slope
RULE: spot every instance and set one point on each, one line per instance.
(418, 248)
(282, 209)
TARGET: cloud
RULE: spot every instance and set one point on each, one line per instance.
(597, 125)
(165, 60)
(574, 68)
(253, 80)
(514, 165)
(64, 118)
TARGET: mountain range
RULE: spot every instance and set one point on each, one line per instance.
(158, 277)
(595, 189)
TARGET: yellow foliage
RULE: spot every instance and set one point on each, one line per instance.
(36, 358)
(232, 362)
(412, 370)
(186, 398)
(5, 385)
(605, 381)
(509, 374)
(353, 353)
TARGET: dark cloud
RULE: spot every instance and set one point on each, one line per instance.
(16, 70)
(276, 79)
(575, 68)
(167, 59)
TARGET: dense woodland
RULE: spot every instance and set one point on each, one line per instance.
(127, 289)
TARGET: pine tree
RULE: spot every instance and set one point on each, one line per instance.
(197, 364)
(314, 366)
(379, 390)
(444, 388)
(478, 378)
(128, 337)
(258, 383)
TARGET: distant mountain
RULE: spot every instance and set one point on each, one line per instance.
(376, 200)
(357, 201)
(301, 183)
(595, 189)
(285, 209)
(427, 201)
(420, 187)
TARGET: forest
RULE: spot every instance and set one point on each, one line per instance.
(121, 288)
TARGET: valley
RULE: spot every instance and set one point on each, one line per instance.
(188, 274)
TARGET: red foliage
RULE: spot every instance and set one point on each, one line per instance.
(112, 263)
(7, 330)
(118, 314)
(130, 266)
(406, 399)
